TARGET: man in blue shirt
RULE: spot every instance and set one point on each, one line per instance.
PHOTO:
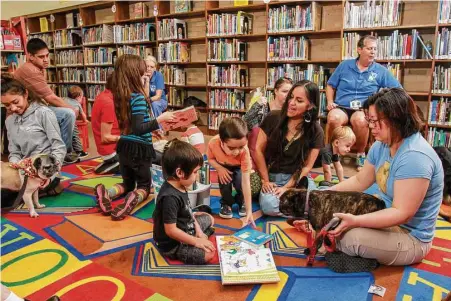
(154, 83)
(349, 87)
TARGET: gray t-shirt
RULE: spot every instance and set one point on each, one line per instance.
(73, 103)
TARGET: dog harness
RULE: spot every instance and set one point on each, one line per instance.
(26, 165)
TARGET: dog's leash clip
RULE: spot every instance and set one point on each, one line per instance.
(329, 243)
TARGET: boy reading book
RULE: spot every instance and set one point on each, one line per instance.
(178, 232)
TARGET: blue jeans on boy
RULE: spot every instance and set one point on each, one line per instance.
(226, 189)
(269, 203)
(66, 121)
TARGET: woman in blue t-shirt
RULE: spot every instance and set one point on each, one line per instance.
(154, 84)
(409, 178)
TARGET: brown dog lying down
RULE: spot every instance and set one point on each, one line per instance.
(322, 204)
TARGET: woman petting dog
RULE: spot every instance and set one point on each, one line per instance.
(290, 148)
(409, 176)
(32, 128)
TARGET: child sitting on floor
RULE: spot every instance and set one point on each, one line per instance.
(75, 99)
(229, 155)
(194, 136)
(178, 232)
(343, 138)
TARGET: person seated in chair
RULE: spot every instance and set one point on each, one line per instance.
(106, 129)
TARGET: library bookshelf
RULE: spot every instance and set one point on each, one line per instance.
(424, 78)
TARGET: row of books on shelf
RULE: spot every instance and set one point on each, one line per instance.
(67, 37)
(443, 44)
(176, 96)
(11, 61)
(174, 75)
(172, 29)
(396, 46)
(101, 55)
(71, 75)
(93, 90)
(288, 48)
(444, 16)
(215, 118)
(315, 73)
(98, 35)
(231, 99)
(372, 13)
(46, 37)
(440, 111)
(69, 57)
(226, 50)
(72, 20)
(232, 75)
(441, 80)
(229, 24)
(395, 70)
(97, 75)
(439, 137)
(174, 52)
(135, 32)
(293, 18)
(142, 51)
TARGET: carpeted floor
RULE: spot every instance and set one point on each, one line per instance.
(73, 251)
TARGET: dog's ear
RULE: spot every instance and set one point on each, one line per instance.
(302, 183)
(37, 163)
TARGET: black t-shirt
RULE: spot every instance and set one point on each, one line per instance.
(294, 156)
(172, 207)
(326, 156)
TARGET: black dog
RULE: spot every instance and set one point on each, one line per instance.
(322, 204)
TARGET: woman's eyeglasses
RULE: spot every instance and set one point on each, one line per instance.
(373, 121)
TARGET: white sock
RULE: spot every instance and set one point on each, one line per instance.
(13, 297)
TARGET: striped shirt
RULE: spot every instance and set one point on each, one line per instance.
(195, 137)
(139, 106)
(33, 79)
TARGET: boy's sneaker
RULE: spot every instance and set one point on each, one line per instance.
(82, 154)
(103, 199)
(242, 211)
(124, 209)
(360, 161)
(71, 158)
(226, 211)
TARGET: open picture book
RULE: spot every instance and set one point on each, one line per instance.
(242, 263)
(183, 118)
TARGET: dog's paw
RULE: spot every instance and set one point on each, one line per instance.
(33, 214)
(40, 206)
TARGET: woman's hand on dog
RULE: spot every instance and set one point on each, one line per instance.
(279, 191)
(348, 221)
(268, 187)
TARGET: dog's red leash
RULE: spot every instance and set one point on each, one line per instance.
(314, 245)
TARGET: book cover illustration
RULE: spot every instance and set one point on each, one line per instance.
(242, 263)
(182, 6)
(183, 118)
(252, 236)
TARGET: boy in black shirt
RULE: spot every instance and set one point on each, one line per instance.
(178, 233)
(341, 142)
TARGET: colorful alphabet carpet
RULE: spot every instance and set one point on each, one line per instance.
(74, 252)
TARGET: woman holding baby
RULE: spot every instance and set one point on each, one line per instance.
(409, 178)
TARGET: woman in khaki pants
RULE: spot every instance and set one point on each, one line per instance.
(409, 176)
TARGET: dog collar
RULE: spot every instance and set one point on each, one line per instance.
(26, 165)
(307, 204)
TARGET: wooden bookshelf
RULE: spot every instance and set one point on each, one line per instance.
(325, 40)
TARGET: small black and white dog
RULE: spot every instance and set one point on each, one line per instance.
(34, 172)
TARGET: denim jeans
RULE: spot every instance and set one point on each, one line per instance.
(269, 203)
(66, 121)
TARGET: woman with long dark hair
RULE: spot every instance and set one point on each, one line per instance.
(287, 151)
